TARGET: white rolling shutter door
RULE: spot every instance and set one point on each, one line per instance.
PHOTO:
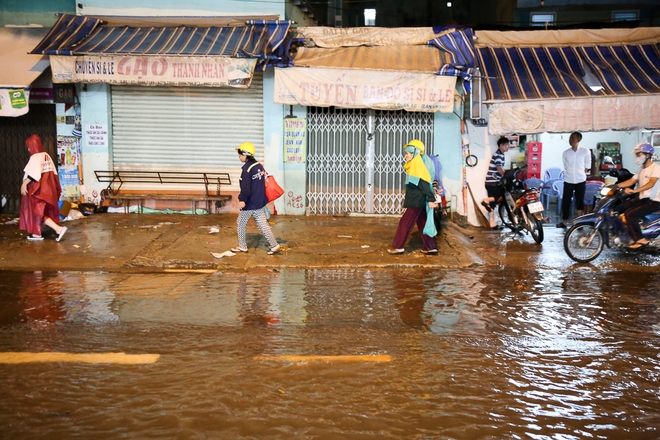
(185, 128)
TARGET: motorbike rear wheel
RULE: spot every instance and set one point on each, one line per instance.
(535, 227)
(583, 242)
(505, 215)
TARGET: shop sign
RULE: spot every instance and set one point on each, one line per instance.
(64, 93)
(41, 93)
(568, 115)
(381, 90)
(154, 70)
(14, 102)
(295, 140)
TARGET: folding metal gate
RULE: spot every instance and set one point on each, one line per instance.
(355, 158)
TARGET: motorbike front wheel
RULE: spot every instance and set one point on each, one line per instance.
(583, 242)
(505, 215)
(535, 227)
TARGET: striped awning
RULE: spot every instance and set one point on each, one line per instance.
(458, 45)
(532, 73)
(625, 70)
(68, 32)
(256, 39)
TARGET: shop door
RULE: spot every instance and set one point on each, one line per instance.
(355, 158)
(13, 153)
(186, 128)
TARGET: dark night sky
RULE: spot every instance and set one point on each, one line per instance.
(486, 14)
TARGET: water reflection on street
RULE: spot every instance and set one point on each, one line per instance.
(476, 353)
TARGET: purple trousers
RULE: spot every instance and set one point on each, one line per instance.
(411, 217)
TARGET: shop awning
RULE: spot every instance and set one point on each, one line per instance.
(558, 64)
(255, 39)
(526, 73)
(458, 45)
(446, 51)
(69, 31)
(19, 68)
(421, 58)
(626, 69)
(412, 69)
(559, 81)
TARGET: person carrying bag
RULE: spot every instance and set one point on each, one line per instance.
(252, 199)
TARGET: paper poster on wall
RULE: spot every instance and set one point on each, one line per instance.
(68, 151)
(70, 181)
(295, 140)
(68, 159)
(96, 135)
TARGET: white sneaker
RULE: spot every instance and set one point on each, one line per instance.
(35, 238)
(62, 232)
(274, 250)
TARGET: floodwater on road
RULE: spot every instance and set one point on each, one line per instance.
(464, 354)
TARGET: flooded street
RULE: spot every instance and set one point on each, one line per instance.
(464, 354)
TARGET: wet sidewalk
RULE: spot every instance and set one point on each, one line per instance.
(172, 242)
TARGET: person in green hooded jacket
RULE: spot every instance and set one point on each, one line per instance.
(419, 201)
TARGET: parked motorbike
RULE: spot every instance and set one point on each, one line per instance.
(521, 208)
(585, 239)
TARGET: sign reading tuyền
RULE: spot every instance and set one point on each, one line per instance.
(153, 70)
(376, 89)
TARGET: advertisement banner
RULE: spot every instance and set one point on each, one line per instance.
(14, 102)
(568, 115)
(295, 140)
(70, 181)
(380, 90)
(68, 159)
(627, 113)
(153, 70)
(68, 151)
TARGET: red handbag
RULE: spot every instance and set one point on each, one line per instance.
(273, 190)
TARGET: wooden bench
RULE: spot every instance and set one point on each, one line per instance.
(116, 179)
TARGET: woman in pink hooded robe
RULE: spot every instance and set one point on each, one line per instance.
(41, 193)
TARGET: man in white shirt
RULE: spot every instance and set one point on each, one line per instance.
(577, 163)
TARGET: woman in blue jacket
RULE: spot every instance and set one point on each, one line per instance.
(252, 199)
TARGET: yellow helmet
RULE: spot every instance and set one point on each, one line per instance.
(416, 143)
(247, 148)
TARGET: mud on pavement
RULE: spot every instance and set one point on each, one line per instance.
(169, 242)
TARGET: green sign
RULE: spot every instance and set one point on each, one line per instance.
(17, 98)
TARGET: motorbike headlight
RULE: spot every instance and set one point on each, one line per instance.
(606, 191)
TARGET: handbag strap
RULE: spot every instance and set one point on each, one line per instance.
(265, 172)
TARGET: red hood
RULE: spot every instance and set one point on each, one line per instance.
(34, 144)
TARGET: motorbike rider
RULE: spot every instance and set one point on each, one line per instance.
(648, 189)
(493, 177)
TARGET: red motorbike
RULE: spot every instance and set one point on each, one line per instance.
(520, 208)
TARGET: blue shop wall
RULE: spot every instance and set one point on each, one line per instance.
(33, 12)
(178, 8)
